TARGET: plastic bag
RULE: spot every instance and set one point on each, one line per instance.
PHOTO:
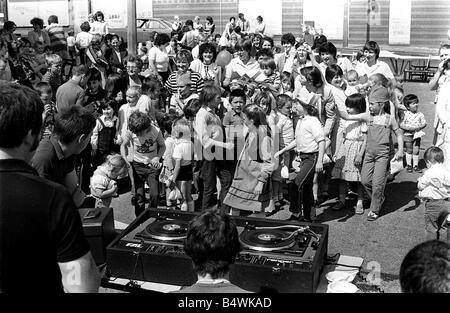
(175, 195)
(396, 165)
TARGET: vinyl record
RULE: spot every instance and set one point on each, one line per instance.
(266, 240)
(166, 230)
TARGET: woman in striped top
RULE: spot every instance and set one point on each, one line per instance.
(183, 60)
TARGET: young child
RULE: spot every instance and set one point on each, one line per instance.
(103, 185)
(233, 122)
(95, 94)
(350, 152)
(168, 161)
(309, 144)
(379, 146)
(282, 136)
(143, 55)
(148, 148)
(183, 157)
(53, 74)
(412, 124)
(184, 96)
(71, 44)
(45, 93)
(287, 84)
(434, 190)
(105, 135)
(353, 85)
(272, 79)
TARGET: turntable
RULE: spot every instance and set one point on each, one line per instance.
(284, 256)
(165, 230)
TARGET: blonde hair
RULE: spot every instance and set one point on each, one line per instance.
(53, 59)
(115, 160)
(181, 129)
(134, 90)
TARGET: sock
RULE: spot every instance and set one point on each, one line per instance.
(184, 207)
(191, 206)
(408, 159)
(415, 160)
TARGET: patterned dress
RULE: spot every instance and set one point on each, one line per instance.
(345, 167)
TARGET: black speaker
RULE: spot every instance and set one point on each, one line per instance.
(99, 230)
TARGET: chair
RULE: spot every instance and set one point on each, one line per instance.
(422, 72)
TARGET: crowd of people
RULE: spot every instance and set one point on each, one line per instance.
(270, 126)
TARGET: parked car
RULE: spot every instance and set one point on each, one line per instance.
(144, 27)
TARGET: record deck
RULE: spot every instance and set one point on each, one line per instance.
(282, 256)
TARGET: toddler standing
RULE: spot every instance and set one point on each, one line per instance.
(434, 190)
(412, 124)
(183, 157)
(105, 135)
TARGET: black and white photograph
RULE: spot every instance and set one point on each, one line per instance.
(214, 154)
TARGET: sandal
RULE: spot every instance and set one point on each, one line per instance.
(372, 216)
(338, 206)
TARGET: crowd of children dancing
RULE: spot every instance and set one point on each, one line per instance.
(198, 111)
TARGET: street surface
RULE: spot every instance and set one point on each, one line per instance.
(382, 243)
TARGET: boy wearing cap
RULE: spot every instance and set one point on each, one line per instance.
(379, 144)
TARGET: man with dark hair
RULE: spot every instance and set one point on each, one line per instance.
(213, 244)
(426, 268)
(41, 235)
(288, 43)
(72, 92)
(55, 156)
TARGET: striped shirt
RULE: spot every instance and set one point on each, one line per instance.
(57, 36)
(197, 83)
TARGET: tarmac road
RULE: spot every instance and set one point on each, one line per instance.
(382, 243)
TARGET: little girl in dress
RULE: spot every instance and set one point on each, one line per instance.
(350, 152)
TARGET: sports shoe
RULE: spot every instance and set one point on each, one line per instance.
(372, 216)
(409, 169)
(359, 208)
(417, 169)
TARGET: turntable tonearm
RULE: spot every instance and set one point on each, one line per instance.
(277, 255)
